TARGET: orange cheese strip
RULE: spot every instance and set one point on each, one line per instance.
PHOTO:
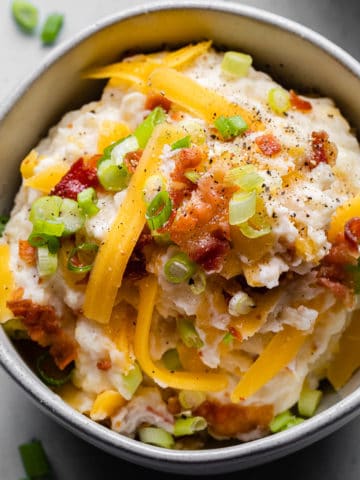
(28, 164)
(46, 180)
(114, 253)
(279, 352)
(198, 100)
(342, 215)
(198, 381)
(347, 359)
(7, 282)
(111, 132)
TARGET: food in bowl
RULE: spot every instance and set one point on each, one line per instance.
(184, 251)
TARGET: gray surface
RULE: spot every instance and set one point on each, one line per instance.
(333, 458)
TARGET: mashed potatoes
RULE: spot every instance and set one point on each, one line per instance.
(188, 246)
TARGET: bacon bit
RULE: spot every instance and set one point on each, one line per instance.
(27, 252)
(201, 228)
(157, 100)
(79, 177)
(93, 161)
(43, 327)
(132, 160)
(235, 333)
(104, 364)
(136, 267)
(230, 420)
(268, 144)
(17, 294)
(323, 151)
(352, 233)
(186, 158)
(299, 103)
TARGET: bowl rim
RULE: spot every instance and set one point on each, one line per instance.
(299, 436)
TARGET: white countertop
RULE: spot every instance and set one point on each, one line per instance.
(335, 457)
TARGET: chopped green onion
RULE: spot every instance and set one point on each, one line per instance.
(242, 206)
(51, 28)
(179, 268)
(171, 360)
(159, 210)
(189, 426)
(240, 304)
(156, 436)
(198, 282)
(279, 100)
(228, 338)
(236, 63)
(354, 271)
(41, 239)
(191, 399)
(184, 142)
(87, 201)
(308, 402)
(279, 422)
(3, 221)
(256, 227)
(230, 126)
(15, 329)
(71, 216)
(120, 149)
(34, 459)
(50, 373)
(192, 175)
(162, 239)
(196, 131)
(152, 187)
(44, 215)
(293, 422)
(48, 228)
(25, 15)
(245, 177)
(47, 262)
(113, 177)
(132, 380)
(75, 265)
(188, 333)
(144, 131)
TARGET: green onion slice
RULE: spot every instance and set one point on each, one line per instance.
(156, 436)
(132, 380)
(3, 221)
(71, 216)
(44, 215)
(26, 15)
(256, 227)
(308, 402)
(41, 240)
(279, 422)
(144, 131)
(179, 268)
(188, 333)
(113, 177)
(240, 304)
(159, 210)
(244, 177)
(236, 63)
(153, 186)
(242, 206)
(279, 100)
(15, 329)
(184, 142)
(191, 399)
(87, 200)
(192, 175)
(47, 262)
(119, 150)
(34, 459)
(189, 426)
(171, 360)
(228, 338)
(51, 28)
(230, 126)
(76, 264)
(50, 373)
(198, 282)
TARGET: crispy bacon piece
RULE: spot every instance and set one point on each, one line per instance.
(157, 100)
(44, 327)
(136, 267)
(79, 177)
(27, 252)
(132, 160)
(323, 151)
(104, 364)
(268, 144)
(299, 103)
(201, 227)
(352, 233)
(230, 420)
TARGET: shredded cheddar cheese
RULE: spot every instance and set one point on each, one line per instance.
(46, 180)
(28, 164)
(342, 215)
(281, 349)
(199, 381)
(106, 404)
(114, 253)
